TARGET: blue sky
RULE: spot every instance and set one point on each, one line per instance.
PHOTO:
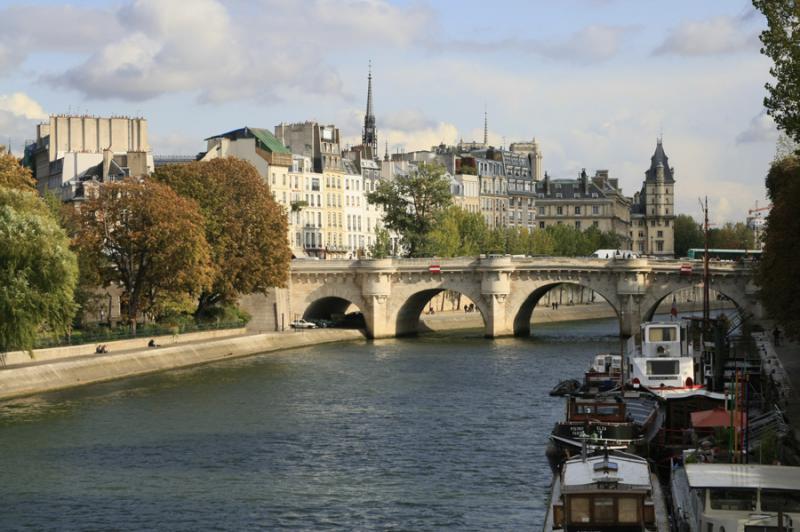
(595, 81)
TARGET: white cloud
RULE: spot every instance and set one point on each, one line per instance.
(718, 35)
(760, 129)
(19, 114)
(62, 28)
(236, 51)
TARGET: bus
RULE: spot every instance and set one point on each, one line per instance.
(725, 254)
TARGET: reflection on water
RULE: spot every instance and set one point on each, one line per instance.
(441, 432)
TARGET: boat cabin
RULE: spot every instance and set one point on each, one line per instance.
(737, 497)
(665, 358)
(609, 491)
(584, 409)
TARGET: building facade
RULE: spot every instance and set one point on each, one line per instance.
(653, 208)
(71, 151)
(584, 202)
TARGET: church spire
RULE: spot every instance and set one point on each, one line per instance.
(485, 128)
(369, 136)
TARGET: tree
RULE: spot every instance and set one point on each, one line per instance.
(731, 236)
(382, 247)
(245, 227)
(13, 174)
(148, 240)
(411, 205)
(38, 271)
(777, 271)
(458, 233)
(688, 235)
(782, 46)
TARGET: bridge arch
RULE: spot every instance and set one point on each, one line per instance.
(522, 313)
(331, 301)
(651, 304)
(407, 318)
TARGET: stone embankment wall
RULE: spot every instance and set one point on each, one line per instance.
(40, 377)
(15, 358)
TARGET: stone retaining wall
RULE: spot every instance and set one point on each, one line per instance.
(14, 358)
(44, 377)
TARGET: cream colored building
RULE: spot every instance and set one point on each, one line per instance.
(71, 151)
(584, 202)
(465, 189)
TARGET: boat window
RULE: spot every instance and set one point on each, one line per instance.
(604, 510)
(733, 499)
(662, 367)
(579, 510)
(628, 509)
(780, 500)
(662, 334)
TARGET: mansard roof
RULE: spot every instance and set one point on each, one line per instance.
(659, 158)
(265, 138)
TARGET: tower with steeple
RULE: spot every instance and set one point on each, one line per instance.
(653, 208)
(369, 135)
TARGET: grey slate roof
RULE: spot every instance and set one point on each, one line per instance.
(659, 157)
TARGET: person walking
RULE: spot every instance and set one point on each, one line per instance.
(776, 335)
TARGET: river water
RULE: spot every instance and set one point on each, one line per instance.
(433, 433)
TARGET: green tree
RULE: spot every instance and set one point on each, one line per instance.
(777, 272)
(412, 204)
(780, 43)
(245, 227)
(12, 173)
(458, 233)
(146, 239)
(688, 235)
(569, 241)
(382, 247)
(730, 236)
(542, 243)
(38, 271)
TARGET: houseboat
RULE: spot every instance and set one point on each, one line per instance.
(605, 372)
(735, 498)
(606, 491)
(605, 421)
(664, 362)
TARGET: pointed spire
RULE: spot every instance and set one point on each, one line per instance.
(369, 89)
(485, 127)
(386, 154)
(369, 136)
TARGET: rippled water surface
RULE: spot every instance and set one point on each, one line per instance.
(433, 433)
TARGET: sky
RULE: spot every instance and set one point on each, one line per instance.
(596, 82)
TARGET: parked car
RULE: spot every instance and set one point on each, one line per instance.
(302, 324)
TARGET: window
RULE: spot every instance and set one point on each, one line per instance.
(659, 245)
(596, 223)
(577, 224)
(740, 500)
(595, 209)
(780, 500)
(666, 222)
(660, 234)
(579, 510)
(541, 211)
(662, 334)
(628, 510)
(577, 209)
(559, 210)
(541, 225)
(604, 510)
(315, 184)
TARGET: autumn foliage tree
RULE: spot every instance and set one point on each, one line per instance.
(13, 174)
(145, 238)
(245, 227)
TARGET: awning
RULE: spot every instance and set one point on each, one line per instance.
(716, 417)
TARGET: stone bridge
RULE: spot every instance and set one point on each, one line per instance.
(392, 293)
